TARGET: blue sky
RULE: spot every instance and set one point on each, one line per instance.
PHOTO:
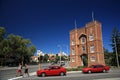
(47, 23)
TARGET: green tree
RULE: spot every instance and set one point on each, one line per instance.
(45, 57)
(108, 57)
(115, 39)
(21, 47)
(2, 33)
(2, 44)
(15, 46)
(57, 58)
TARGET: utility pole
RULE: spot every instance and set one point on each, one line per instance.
(38, 53)
(67, 52)
(116, 53)
(60, 53)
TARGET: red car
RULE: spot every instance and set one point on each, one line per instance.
(52, 70)
(96, 68)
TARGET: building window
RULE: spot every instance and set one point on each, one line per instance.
(92, 59)
(92, 50)
(83, 40)
(73, 42)
(91, 37)
(83, 48)
(73, 52)
(73, 59)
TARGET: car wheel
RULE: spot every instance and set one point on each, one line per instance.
(104, 70)
(43, 74)
(61, 74)
(89, 72)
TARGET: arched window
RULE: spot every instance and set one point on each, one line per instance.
(83, 48)
(82, 40)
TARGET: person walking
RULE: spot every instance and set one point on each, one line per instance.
(19, 70)
(26, 71)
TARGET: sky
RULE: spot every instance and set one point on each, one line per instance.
(47, 23)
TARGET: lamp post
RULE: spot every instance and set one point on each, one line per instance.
(116, 53)
(60, 52)
(38, 53)
(67, 52)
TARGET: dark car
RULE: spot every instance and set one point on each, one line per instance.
(52, 70)
(96, 68)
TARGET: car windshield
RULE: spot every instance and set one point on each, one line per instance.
(92, 66)
(54, 67)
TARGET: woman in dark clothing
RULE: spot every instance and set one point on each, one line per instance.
(26, 70)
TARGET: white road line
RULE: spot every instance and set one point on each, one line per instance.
(15, 78)
(31, 74)
(109, 79)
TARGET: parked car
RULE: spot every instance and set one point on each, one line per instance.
(96, 68)
(62, 63)
(52, 70)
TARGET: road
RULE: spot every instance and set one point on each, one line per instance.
(80, 76)
(9, 74)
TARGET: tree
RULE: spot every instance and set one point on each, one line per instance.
(57, 58)
(2, 33)
(115, 39)
(2, 44)
(108, 57)
(21, 47)
(15, 46)
(45, 57)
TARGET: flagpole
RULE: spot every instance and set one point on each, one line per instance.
(75, 24)
(92, 15)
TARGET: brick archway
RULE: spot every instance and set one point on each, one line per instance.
(84, 58)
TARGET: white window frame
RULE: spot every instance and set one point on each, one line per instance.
(91, 37)
(92, 59)
(73, 52)
(92, 49)
(83, 40)
(83, 48)
(73, 42)
(73, 59)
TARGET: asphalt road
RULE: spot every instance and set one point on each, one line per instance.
(10, 74)
(111, 75)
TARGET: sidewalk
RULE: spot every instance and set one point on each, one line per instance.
(5, 68)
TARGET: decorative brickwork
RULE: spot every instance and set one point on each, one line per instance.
(86, 41)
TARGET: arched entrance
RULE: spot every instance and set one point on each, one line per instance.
(84, 58)
(83, 49)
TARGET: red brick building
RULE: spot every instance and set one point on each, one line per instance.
(86, 41)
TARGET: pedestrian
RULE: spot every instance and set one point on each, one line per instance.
(19, 70)
(26, 71)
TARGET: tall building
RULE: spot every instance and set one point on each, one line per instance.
(86, 41)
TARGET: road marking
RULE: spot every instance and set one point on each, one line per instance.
(15, 78)
(31, 74)
(109, 79)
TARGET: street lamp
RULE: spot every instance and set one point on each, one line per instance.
(38, 53)
(60, 53)
(67, 52)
